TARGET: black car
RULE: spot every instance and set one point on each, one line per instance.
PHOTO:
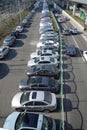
(43, 70)
(15, 33)
(39, 83)
(71, 50)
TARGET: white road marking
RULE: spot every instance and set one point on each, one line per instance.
(79, 48)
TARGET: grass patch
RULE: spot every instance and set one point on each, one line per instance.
(78, 19)
(10, 23)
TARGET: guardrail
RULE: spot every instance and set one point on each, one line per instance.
(57, 29)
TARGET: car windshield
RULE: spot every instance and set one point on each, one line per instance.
(51, 82)
(25, 97)
(36, 69)
(70, 48)
(47, 123)
(34, 80)
(8, 39)
(47, 97)
(26, 120)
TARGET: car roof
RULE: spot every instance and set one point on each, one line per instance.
(38, 79)
(36, 96)
(44, 67)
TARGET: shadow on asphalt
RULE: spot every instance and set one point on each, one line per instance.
(4, 70)
(22, 36)
(12, 54)
(19, 43)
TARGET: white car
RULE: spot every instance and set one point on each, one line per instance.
(44, 53)
(48, 42)
(29, 121)
(34, 101)
(19, 28)
(74, 30)
(42, 60)
(85, 55)
(50, 34)
(3, 51)
(45, 23)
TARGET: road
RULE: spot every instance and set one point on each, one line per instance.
(14, 67)
(75, 83)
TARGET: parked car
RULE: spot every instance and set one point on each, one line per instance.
(48, 47)
(3, 51)
(29, 121)
(71, 50)
(43, 60)
(47, 43)
(20, 28)
(14, 33)
(44, 53)
(39, 83)
(34, 101)
(43, 70)
(9, 41)
(74, 31)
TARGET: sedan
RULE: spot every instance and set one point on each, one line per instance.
(9, 41)
(29, 121)
(73, 31)
(39, 83)
(43, 70)
(3, 51)
(34, 101)
(47, 47)
(43, 60)
(48, 43)
(71, 50)
(44, 53)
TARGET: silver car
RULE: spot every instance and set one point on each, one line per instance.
(34, 101)
(3, 51)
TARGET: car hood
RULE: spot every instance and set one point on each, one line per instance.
(10, 121)
(16, 100)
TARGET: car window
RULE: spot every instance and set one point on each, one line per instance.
(24, 97)
(47, 123)
(30, 103)
(40, 103)
(26, 120)
(47, 97)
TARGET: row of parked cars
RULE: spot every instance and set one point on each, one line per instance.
(10, 40)
(38, 88)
